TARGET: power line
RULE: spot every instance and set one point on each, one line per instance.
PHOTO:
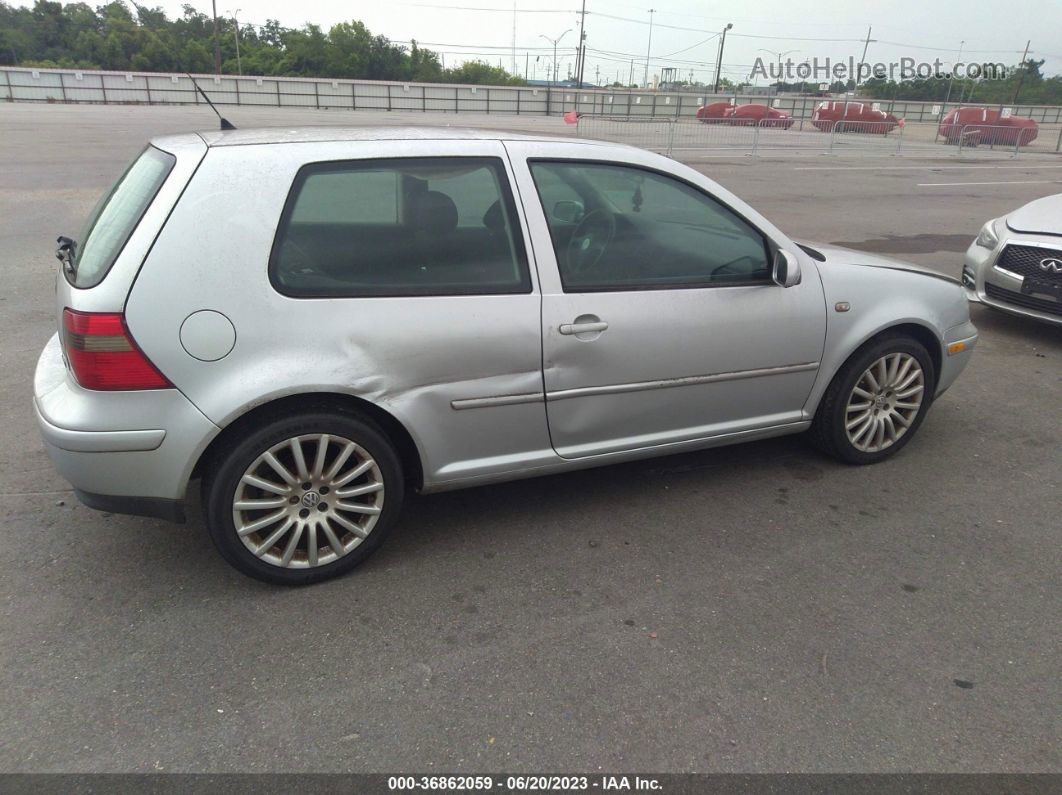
(692, 46)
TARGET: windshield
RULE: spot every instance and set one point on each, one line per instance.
(117, 214)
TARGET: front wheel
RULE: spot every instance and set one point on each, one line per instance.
(304, 498)
(876, 401)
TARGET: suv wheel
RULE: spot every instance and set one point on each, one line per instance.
(304, 498)
(876, 401)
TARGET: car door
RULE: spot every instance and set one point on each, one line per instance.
(396, 271)
(661, 321)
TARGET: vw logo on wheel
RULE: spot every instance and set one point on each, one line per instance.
(1052, 264)
(310, 499)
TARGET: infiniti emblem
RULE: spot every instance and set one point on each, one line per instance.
(310, 499)
(1052, 264)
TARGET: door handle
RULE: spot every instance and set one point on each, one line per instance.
(583, 328)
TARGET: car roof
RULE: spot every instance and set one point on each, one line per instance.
(287, 135)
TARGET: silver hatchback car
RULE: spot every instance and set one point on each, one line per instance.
(312, 321)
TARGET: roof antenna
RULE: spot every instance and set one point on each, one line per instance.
(225, 123)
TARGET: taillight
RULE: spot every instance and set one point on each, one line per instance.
(104, 356)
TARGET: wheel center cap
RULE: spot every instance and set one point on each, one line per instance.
(310, 499)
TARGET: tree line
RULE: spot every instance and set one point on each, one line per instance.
(124, 36)
(120, 37)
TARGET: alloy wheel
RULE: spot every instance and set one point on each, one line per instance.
(308, 501)
(884, 402)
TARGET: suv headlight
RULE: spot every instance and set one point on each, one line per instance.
(987, 237)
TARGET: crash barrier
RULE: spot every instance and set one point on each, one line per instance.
(684, 137)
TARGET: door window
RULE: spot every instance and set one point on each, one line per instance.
(416, 226)
(617, 227)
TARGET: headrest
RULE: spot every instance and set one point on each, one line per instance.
(434, 212)
(493, 219)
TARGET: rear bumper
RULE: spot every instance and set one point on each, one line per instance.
(74, 441)
(126, 452)
(170, 510)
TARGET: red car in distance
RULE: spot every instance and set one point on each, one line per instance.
(858, 117)
(760, 114)
(986, 126)
(714, 113)
(744, 115)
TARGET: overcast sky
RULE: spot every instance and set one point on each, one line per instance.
(618, 32)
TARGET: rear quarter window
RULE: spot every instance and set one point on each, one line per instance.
(117, 214)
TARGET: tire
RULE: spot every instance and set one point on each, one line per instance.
(231, 496)
(841, 405)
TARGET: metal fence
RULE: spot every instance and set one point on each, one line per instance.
(612, 106)
(982, 136)
(684, 137)
(136, 88)
(25, 84)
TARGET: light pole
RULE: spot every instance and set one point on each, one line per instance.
(951, 80)
(554, 42)
(649, 47)
(217, 44)
(719, 63)
(780, 55)
(236, 22)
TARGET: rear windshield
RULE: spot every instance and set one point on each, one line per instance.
(117, 214)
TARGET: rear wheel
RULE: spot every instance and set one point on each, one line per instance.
(304, 498)
(876, 401)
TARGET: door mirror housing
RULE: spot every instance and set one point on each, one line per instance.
(568, 211)
(786, 269)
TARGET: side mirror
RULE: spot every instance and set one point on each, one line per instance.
(568, 211)
(786, 269)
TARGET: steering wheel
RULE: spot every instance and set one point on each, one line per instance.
(590, 239)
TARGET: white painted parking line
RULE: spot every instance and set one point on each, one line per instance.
(1016, 182)
(1034, 167)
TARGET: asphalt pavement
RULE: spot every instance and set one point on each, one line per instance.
(752, 608)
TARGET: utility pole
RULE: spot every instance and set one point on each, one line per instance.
(527, 63)
(951, 81)
(217, 44)
(630, 82)
(1021, 76)
(236, 22)
(859, 70)
(719, 62)
(582, 42)
(649, 47)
